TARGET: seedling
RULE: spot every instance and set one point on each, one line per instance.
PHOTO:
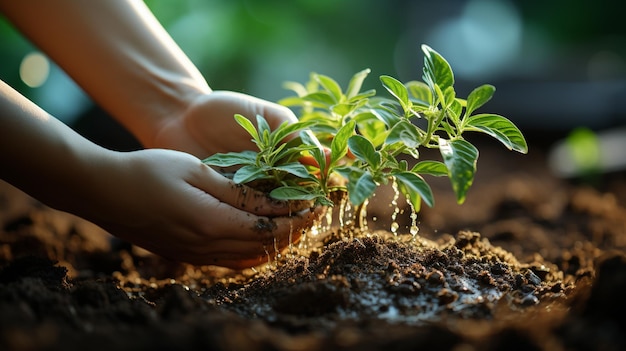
(354, 141)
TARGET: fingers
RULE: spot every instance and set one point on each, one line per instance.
(252, 242)
(239, 196)
(237, 251)
(237, 254)
(230, 223)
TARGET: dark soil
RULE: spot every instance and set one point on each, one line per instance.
(529, 262)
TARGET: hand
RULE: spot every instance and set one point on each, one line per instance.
(208, 126)
(171, 204)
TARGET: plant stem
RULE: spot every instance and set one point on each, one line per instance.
(432, 126)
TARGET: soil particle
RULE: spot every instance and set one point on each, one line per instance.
(264, 226)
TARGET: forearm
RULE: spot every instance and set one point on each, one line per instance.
(118, 53)
(42, 156)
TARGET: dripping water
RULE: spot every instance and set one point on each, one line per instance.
(277, 254)
(396, 209)
(269, 257)
(413, 229)
(361, 216)
(342, 209)
(290, 250)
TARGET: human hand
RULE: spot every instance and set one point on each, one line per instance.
(207, 126)
(169, 203)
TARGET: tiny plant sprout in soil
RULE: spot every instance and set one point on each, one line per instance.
(522, 261)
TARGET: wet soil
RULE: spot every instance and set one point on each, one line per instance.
(529, 262)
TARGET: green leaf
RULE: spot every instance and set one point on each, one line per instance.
(296, 87)
(403, 165)
(405, 132)
(363, 95)
(413, 183)
(293, 193)
(350, 173)
(388, 117)
(437, 70)
(343, 109)
(479, 97)
(324, 129)
(231, 159)
(374, 130)
(434, 168)
(339, 145)
(249, 173)
(321, 119)
(356, 82)
(364, 151)
(318, 149)
(419, 93)
(454, 110)
(440, 97)
(460, 158)
(322, 98)
(295, 168)
(292, 101)
(287, 128)
(365, 116)
(398, 90)
(361, 190)
(293, 150)
(263, 127)
(331, 86)
(248, 126)
(449, 96)
(500, 128)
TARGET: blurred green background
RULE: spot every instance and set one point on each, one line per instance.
(557, 64)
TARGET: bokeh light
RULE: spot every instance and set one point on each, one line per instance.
(482, 41)
(34, 69)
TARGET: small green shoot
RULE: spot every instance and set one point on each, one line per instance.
(365, 140)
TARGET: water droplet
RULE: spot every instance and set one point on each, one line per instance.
(269, 258)
(348, 213)
(342, 210)
(276, 250)
(329, 220)
(291, 237)
(394, 227)
(362, 216)
(396, 209)
(413, 229)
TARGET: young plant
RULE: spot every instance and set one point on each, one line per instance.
(275, 164)
(366, 139)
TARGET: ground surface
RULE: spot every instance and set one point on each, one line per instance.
(529, 262)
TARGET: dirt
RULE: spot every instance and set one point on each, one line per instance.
(529, 262)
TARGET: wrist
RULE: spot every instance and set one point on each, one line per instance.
(164, 100)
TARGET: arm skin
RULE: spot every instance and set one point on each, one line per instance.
(163, 200)
(117, 51)
(166, 201)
